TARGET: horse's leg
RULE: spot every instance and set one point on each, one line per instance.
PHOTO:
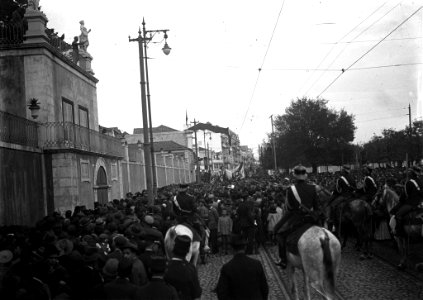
(306, 285)
(292, 282)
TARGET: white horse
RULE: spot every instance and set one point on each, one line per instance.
(169, 242)
(319, 258)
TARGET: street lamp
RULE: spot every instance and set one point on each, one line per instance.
(150, 170)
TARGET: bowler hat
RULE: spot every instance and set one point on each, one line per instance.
(182, 245)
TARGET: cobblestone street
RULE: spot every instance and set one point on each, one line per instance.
(369, 279)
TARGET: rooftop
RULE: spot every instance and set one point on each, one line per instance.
(159, 129)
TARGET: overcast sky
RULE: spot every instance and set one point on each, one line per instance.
(218, 47)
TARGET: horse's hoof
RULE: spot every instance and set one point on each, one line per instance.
(401, 267)
(362, 257)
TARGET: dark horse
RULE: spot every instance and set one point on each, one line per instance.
(351, 215)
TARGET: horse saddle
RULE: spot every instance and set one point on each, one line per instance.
(414, 217)
(293, 238)
(196, 236)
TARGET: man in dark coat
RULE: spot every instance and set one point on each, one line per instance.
(157, 288)
(242, 277)
(301, 200)
(180, 273)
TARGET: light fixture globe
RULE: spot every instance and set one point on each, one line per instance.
(166, 49)
(34, 107)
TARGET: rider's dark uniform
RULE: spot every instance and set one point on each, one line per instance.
(301, 199)
(185, 208)
(369, 189)
(410, 199)
(344, 189)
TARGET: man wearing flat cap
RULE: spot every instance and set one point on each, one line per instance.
(180, 273)
(301, 200)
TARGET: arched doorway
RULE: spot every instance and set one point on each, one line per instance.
(102, 187)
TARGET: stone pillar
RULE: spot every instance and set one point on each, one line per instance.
(36, 32)
(85, 61)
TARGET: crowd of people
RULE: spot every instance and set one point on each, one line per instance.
(116, 251)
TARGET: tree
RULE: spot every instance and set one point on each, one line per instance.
(312, 134)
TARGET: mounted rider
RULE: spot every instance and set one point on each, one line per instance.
(344, 190)
(410, 198)
(369, 189)
(301, 200)
(185, 208)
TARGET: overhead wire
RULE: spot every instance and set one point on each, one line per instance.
(262, 64)
(346, 45)
(368, 51)
(333, 47)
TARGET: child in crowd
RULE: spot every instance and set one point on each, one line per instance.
(272, 219)
(224, 228)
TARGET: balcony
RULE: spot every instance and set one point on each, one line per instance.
(65, 135)
(18, 130)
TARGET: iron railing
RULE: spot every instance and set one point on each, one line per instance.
(66, 135)
(18, 130)
(12, 33)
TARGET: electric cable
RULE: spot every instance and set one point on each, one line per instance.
(333, 47)
(368, 51)
(264, 59)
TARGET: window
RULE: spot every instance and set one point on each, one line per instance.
(85, 170)
(114, 171)
(67, 108)
(83, 117)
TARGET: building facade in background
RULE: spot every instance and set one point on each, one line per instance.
(62, 158)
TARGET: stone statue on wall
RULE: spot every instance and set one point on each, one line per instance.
(33, 4)
(83, 38)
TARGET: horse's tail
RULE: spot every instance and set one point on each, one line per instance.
(327, 262)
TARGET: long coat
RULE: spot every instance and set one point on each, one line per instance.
(242, 278)
(183, 276)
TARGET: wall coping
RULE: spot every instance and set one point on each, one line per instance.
(54, 52)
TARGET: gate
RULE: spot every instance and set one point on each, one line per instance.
(102, 187)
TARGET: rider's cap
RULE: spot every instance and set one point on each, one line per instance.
(182, 245)
(346, 168)
(300, 172)
(415, 169)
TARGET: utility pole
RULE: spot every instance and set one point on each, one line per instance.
(150, 168)
(273, 144)
(409, 136)
(147, 151)
(153, 158)
(197, 163)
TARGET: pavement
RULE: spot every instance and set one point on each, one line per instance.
(375, 278)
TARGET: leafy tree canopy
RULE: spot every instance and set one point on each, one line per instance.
(310, 133)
